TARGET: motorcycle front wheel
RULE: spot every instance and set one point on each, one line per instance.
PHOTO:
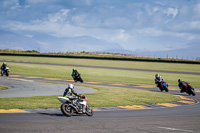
(165, 88)
(89, 111)
(7, 73)
(192, 92)
(66, 109)
(81, 80)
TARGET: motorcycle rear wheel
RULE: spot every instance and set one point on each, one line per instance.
(161, 89)
(89, 111)
(66, 109)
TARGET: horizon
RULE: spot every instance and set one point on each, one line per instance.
(146, 28)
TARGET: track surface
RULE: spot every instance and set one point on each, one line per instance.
(183, 119)
(23, 88)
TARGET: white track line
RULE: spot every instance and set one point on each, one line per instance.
(175, 129)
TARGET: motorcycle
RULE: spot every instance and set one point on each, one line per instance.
(77, 78)
(189, 90)
(163, 86)
(5, 71)
(76, 105)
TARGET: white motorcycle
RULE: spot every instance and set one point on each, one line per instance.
(72, 105)
(5, 71)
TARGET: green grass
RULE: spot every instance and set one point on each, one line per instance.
(104, 97)
(3, 88)
(109, 63)
(102, 75)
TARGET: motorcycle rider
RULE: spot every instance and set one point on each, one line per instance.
(75, 73)
(69, 92)
(3, 67)
(158, 79)
(183, 85)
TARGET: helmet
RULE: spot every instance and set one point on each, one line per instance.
(4, 62)
(71, 86)
(156, 75)
(179, 80)
(74, 69)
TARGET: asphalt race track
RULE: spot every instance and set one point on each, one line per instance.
(181, 119)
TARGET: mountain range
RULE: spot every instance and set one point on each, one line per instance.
(49, 43)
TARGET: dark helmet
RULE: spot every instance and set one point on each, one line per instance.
(156, 75)
(179, 80)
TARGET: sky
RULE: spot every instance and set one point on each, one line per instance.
(155, 27)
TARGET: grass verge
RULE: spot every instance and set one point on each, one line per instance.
(3, 88)
(99, 75)
(104, 97)
(109, 63)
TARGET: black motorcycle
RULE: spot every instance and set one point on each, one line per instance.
(5, 71)
(162, 86)
(77, 77)
(189, 90)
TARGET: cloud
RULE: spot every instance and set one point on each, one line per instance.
(171, 11)
(60, 16)
(40, 1)
(197, 9)
(88, 2)
(16, 6)
(132, 24)
(120, 36)
(152, 31)
(30, 36)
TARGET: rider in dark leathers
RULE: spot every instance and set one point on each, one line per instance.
(183, 85)
(75, 73)
(158, 79)
(3, 67)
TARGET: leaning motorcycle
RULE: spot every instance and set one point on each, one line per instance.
(5, 71)
(76, 105)
(163, 86)
(190, 90)
(77, 78)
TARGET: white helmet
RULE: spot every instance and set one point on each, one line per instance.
(71, 86)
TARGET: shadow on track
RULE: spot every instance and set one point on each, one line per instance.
(60, 115)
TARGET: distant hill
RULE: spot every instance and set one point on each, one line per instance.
(48, 43)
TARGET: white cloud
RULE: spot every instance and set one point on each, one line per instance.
(151, 31)
(171, 11)
(197, 9)
(187, 26)
(88, 2)
(195, 25)
(30, 36)
(16, 6)
(9, 3)
(39, 1)
(155, 9)
(59, 16)
(122, 35)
